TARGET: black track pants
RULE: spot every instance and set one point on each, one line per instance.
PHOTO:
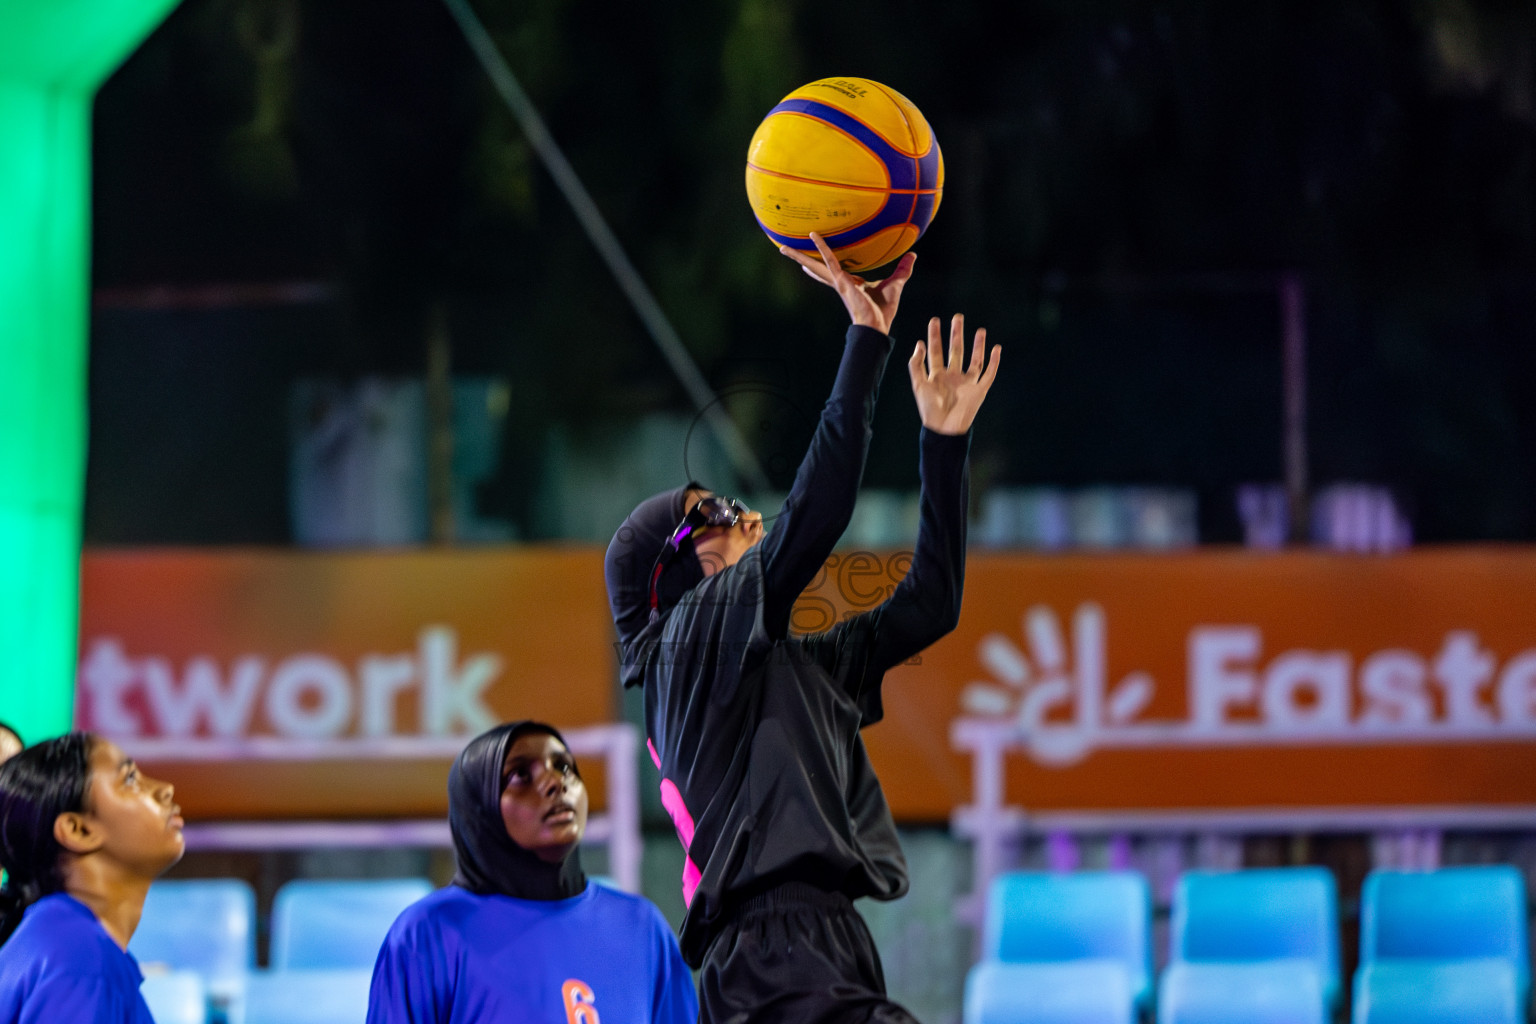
(795, 955)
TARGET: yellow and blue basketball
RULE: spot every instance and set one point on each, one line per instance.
(852, 160)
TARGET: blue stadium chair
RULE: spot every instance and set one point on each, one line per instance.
(207, 925)
(175, 997)
(1422, 991)
(1063, 949)
(336, 996)
(1256, 917)
(1046, 917)
(1070, 992)
(1452, 914)
(1272, 992)
(337, 924)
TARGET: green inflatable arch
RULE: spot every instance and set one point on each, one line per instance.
(54, 54)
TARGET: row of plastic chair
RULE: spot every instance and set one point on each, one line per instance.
(1254, 946)
(1258, 946)
(196, 942)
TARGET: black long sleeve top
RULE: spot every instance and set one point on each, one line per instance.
(756, 730)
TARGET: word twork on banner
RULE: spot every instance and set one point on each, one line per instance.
(428, 691)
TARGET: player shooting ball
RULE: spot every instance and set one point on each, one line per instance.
(756, 731)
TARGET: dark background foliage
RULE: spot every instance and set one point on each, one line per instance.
(1127, 181)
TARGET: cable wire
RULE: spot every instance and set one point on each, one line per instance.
(608, 246)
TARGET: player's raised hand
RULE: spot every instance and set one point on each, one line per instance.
(947, 388)
(869, 303)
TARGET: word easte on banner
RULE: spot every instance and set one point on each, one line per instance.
(1389, 689)
(303, 696)
(1060, 692)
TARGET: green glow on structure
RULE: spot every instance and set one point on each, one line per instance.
(54, 54)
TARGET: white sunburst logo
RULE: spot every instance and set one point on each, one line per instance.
(1053, 687)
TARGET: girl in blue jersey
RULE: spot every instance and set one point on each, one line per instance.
(83, 833)
(520, 935)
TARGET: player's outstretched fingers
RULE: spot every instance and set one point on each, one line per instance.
(889, 290)
(813, 268)
(955, 358)
(915, 365)
(828, 257)
(935, 346)
(978, 355)
(992, 357)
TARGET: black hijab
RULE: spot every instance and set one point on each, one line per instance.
(631, 556)
(489, 861)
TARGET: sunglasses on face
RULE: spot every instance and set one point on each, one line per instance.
(712, 511)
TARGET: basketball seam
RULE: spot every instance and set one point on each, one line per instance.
(911, 141)
(841, 184)
(888, 193)
(889, 228)
(912, 154)
(905, 222)
(895, 240)
(911, 138)
(851, 138)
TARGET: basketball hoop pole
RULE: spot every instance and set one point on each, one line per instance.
(54, 54)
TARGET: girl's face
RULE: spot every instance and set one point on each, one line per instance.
(130, 816)
(543, 800)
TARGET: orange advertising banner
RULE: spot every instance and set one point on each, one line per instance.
(1214, 680)
(301, 685)
(1218, 681)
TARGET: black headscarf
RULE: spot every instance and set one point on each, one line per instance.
(489, 861)
(632, 555)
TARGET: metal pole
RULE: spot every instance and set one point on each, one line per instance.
(608, 246)
(440, 516)
(1294, 369)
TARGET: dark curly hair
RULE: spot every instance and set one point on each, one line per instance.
(36, 786)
